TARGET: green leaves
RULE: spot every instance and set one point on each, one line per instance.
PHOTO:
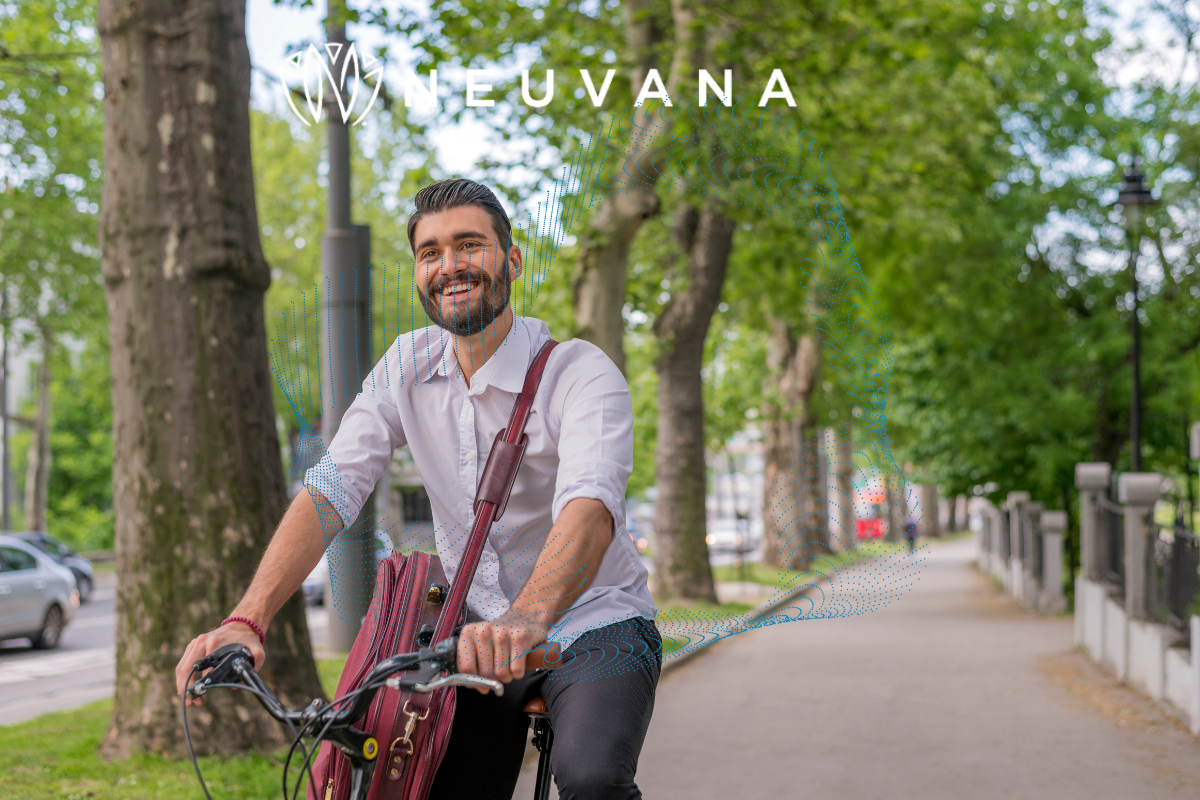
(51, 128)
(50, 182)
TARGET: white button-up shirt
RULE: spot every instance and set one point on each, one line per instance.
(580, 445)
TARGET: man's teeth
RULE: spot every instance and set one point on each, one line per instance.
(455, 288)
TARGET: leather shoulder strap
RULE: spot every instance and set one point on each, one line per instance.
(533, 379)
(494, 487)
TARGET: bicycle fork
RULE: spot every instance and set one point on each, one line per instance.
(362, 750)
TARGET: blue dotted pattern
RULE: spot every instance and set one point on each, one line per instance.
(770, 168)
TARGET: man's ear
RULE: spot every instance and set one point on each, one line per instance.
(515, 265)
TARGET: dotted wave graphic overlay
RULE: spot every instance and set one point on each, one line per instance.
(759, 166)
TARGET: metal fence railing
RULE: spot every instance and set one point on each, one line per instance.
(1002, 535)
(1110, 540)
(1174, 569)
(1021, 545)
(1035, 550)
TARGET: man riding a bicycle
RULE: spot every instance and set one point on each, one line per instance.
(560, 568)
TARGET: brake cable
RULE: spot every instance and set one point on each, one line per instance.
(298, 736)
(187, 736)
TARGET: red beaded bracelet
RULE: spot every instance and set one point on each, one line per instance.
(254, 626)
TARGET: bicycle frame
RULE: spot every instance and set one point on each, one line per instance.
(362, 750)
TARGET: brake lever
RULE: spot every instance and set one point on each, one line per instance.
(436, 660)
(462, 679)
(406, 680)
(222, 662)
(433, 661)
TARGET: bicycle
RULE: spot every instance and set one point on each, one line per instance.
(430, 668)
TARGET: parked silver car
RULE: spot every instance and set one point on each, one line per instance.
(37, 597)
(85, 577)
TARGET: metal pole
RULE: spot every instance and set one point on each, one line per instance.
(346, 343)
(1135, 405)
(1193, 455)
(4, 468)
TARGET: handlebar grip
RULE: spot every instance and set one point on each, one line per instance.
(221, 662)
(227, 649)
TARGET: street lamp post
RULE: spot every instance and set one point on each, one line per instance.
(1134, 200)
(346, 339)
(5, 471)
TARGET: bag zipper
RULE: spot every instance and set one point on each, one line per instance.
(370, 719)
(385, 618)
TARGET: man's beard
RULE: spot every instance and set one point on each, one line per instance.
(465, 318)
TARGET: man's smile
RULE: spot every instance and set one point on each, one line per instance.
(458, 289)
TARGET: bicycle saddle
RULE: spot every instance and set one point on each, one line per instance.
(535, 706)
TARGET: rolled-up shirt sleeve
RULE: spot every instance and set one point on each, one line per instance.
(595, 445)
(360, 451)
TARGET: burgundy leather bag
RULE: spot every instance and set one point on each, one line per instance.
(411, 593)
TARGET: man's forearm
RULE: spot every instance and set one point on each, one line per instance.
(292, 554)
(568, 562)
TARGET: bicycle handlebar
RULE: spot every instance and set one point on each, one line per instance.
(233, 661)
(426, 670)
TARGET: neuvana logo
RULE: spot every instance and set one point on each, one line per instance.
(312, 70)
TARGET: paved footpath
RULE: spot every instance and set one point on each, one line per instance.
(950, 692)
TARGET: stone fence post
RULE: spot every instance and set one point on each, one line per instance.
(1092, 479)
(1003, 545)
(1013, 578)
(1138, 492)
(1051, 599)
(987, 538)
(1030, 512)
(1000, 548)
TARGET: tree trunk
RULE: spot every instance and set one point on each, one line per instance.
(37, 474)
(931, 522)
(843, 470)
(952, 519)
(810, 539)
(681, 562)
(792, 519)
(599, 285)
(779, 485)
(896, 505)
(779, 453)
(197, 476)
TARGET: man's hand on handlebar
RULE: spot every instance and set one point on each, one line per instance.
(498, 649)
(205, 643)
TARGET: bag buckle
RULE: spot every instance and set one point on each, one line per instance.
(396, 759)
(499, 473)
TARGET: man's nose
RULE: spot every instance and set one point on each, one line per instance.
(454, 270)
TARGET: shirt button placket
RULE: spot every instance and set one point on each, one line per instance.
(468, 469)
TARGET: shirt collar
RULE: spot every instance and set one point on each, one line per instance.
(438, 352)
(507, 366)
(505, 369)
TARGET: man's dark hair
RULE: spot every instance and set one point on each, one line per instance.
(444, 195)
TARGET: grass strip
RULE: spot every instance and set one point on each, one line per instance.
(822, 566)
(53, 757)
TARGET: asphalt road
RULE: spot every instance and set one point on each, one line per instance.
(81, 669)
(950, 691)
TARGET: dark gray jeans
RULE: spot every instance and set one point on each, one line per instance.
(600, 701)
